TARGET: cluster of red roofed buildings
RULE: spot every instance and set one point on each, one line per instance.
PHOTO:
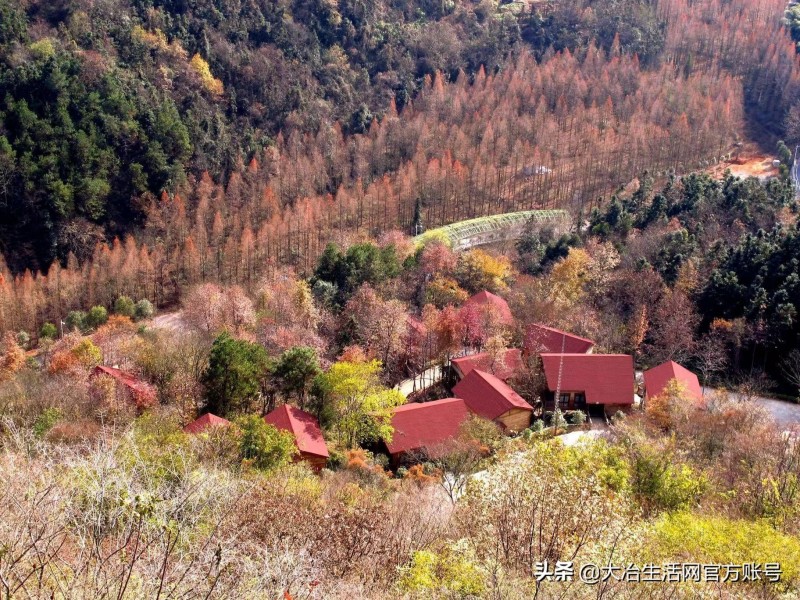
(575, 379)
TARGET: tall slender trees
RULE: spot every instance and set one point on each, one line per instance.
(556, 133)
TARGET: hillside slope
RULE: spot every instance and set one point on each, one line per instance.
(105, 104)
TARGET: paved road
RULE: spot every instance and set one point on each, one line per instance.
(424, 380)
(785, 413)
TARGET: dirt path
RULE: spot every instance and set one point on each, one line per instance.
(748, 161)
(172, 321)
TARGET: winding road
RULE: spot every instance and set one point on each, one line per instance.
(785, 413)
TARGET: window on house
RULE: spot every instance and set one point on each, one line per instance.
(580, 400)
(563, 401)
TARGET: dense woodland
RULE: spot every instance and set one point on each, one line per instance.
(220, 199)
(587, 112)
(163, 98)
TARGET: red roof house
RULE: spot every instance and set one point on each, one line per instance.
(305, 429)
(129, 388)
(487, 396)
(490, 303)
(590, 379)
(540, 338)
(657, 378)
(425, 427)
(204, 423)
(415, 326)
(503, 366)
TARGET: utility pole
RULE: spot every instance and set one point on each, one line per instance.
(557, 398)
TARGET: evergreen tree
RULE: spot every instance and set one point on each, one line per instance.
(235, 375)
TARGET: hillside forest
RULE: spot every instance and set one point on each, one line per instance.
(109, 108)
(234, 208)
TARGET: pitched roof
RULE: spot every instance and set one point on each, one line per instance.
(657, 378)
(127, 379)
(541, 338)
(604, 378)
(504, 367)
(484, 298)
(415, 325)
(426, 424)
(302, 425)
(487, 396)
(205, 422)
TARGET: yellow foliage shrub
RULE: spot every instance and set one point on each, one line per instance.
(719, 540)
(156, 40)
(454, 572)
(211, 83)
(478, 270)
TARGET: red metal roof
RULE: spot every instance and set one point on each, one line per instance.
(604, 378)
(484, 298)
(487, 396)
(657, 378)
(304, 427)
(415, 325)
(426, 424)
(128, 379)
(503, 367)
(541, 338)
(205, 422)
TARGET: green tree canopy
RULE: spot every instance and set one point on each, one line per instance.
(124, 306)
(48, 331)
(360, 406)
(362, 263)
(296, 369)
(235, 374)
(96, 316)
(266, 446)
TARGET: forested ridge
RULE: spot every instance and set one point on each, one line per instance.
(107, 105)
(592, 117)
(236, 342)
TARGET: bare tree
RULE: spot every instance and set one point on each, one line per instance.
(458, 460)
(790, 366)
(712, 357)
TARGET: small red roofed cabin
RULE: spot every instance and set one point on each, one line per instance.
(423, 429)
(306, 431)
(487, 396)
(205, 423)
(589, 381)
(540, 338)
(129, 389)
(657, 379)
(503, 366)
(489, 304)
